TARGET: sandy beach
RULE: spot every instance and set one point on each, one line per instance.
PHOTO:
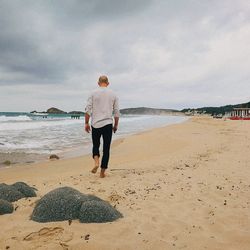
(184, 186)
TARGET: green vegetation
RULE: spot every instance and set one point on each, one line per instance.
(218, 110)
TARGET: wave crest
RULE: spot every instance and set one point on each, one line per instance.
(4, 118)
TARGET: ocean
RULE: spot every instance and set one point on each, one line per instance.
(25, 137)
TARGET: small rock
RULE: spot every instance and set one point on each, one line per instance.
(7, 163)
(87, 236)
(52, 157)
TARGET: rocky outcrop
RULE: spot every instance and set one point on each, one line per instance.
(16, 191)
(95, 211)
(55, 111)
(25, 189)
(66, 203)
(6, 207)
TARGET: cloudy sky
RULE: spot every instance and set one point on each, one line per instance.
(157, 53)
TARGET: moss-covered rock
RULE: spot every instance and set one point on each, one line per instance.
(16, 191)
(60, 204)
(10, 193)
(25, 189)
(6, 207)
(98, 211)
(66, 203)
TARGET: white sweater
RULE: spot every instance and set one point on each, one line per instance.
(101, 105)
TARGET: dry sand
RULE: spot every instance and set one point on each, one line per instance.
(184, 186)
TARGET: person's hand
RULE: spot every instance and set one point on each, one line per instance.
(87, 128)
(115, 128)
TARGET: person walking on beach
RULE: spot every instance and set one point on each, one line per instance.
(101, 106)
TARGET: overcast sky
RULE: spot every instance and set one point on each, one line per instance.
(157, 53)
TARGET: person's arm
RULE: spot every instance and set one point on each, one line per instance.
(116, 124)
(116, 114)
(88, 111)
(87, 127)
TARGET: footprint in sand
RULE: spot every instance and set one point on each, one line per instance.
(95, 182)
(48, 234)
(101, 190)
(154, 219)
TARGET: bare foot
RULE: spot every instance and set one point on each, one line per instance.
(94, 170)
(102, 173)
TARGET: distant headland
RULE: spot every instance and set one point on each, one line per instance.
(57, 111)
(157, 111)
(128, 111)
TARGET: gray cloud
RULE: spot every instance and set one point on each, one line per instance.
(42, 39)
(157, 53)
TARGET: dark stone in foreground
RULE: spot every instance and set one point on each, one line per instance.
(6, 207)
(58, 205)
(16, 191)
(25, 189)
(98, 212)
(66, 203)
(10, 193)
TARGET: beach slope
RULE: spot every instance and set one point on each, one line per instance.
(184, 186)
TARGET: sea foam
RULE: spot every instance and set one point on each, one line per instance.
(27, 133)
(4, 118)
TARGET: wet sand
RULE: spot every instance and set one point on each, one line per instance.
(15, 158)
(184, 186)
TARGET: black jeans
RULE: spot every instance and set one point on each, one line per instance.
(106, 133)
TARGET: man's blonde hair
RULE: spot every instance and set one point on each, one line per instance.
(103, 79)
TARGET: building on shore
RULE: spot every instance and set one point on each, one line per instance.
(240, 114)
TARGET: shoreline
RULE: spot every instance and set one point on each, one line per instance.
(183, 186)
(21, 158)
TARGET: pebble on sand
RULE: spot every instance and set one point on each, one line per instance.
(54, 157)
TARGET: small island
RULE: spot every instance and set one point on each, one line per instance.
(56, 111)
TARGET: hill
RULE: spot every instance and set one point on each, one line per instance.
(55, 111)
(148, 111)
(218, 110)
